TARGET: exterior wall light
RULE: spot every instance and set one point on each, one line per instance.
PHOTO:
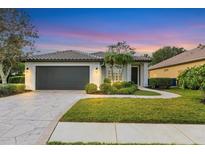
(27, 68)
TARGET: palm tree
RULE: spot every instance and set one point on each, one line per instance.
(123, 59)
(110, 58)
(118, 56)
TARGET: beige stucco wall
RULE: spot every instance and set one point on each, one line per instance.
(30, 73)
(173, 71)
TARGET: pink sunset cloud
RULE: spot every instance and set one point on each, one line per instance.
(140, 48)
(107, 37)
(197, 25)
(93, 40)
(61, 47)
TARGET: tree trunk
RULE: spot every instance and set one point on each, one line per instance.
(4, 80)
(3, 75)
(112, 73)
(122, 71)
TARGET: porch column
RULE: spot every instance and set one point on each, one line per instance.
(145, 84)
(30, 76)
(141, 74)
(129, 70)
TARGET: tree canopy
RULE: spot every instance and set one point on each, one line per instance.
(118, 55)
(121, 47)
(165, 53)
(16, 33)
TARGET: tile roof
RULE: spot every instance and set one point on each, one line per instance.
(99, 54)
(185, 57)
(64, 56)
(73, 56)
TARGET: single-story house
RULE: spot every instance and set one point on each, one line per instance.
(172, 67)
(72, 70)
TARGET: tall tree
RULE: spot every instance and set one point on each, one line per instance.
(118, 56)
(121, 47)
(165, 53)
(16, 33)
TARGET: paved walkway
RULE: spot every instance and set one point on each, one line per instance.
(164, 95)
(30, 118)
(125, 133)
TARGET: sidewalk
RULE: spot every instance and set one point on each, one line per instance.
(129, 133)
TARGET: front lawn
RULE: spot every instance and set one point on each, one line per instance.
(185, 109)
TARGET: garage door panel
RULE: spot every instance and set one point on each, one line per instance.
(61, 77)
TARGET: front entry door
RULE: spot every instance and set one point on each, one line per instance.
(135, 75)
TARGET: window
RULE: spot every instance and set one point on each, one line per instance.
(117, 74)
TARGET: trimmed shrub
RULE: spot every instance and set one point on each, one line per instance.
(10, 89)
(192, 78)
(106, 88)
(133, 88)
(161, 83)
(16, 79)
(106, 80)
(128, 90)
(91, 88)
(123, 84)
(114, 90)
(118, 85)
(118, 88)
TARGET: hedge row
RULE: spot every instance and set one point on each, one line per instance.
(10, 89)
(192, 78)
(16, 79)
(115, 88)
(160, 83)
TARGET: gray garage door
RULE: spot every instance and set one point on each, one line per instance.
(61, 77)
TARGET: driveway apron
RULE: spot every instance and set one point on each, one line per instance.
(26, 118)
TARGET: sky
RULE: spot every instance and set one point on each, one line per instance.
(90, 30)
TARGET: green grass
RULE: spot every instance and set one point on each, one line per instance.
(99, 143)
(185, 109)
(146, 93)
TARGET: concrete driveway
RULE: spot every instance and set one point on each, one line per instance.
(30, 118)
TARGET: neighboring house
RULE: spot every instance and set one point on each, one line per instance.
(74, 69)
(172, 67)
